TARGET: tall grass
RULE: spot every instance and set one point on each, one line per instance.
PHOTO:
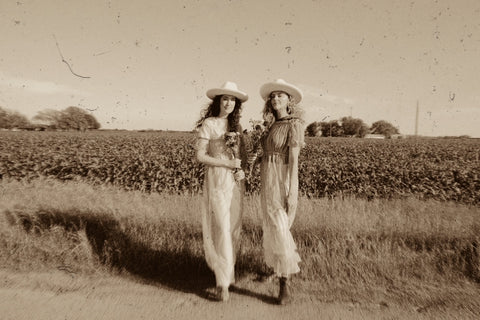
(405, 247)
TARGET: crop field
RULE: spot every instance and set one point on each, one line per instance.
(441, 169)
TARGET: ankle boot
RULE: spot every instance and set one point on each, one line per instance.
(284, 295)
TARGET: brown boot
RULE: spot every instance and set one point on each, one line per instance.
(284, 296)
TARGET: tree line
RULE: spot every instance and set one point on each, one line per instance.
(350, 127)
(71, 118)
(74, 118)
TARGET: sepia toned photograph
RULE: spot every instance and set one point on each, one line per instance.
(239, 159)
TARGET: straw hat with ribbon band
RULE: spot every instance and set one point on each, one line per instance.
(228, 88)
(281, 85)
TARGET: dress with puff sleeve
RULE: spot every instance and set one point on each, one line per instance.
(221, 205)
(279, 246)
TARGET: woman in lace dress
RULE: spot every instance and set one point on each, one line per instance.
(279, 179)
(223, 185)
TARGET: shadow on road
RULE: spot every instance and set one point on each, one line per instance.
(177, 269)
(260, 296)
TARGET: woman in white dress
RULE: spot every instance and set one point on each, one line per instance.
(223, 184)
(279, 179)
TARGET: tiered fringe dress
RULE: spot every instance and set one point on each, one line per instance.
(279, 247)
(222, 206)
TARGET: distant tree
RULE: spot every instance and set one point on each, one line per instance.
(18, 120)
(314, 129)
(13, 119)
(71, 118)
(77, 119)
(48, 117)
(354, 127)
(383, 127)
(3, 118)
(331, 129)
(92, 122)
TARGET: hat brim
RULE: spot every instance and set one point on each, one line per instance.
(212, 93)
(291, 90)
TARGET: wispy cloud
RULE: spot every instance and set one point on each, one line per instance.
(38, 87)
(317, 94)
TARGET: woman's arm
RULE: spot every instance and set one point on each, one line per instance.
(203, 157)
(292, 198)
(296, 142)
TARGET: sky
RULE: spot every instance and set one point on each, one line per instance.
(146, 64)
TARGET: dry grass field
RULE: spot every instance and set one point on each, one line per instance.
(407, 258)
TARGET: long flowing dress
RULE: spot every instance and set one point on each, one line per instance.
(279, 247)
(222, 206)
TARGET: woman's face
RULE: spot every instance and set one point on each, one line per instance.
(227, 105)
(279, 100)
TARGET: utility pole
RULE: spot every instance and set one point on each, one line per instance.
(416, 121)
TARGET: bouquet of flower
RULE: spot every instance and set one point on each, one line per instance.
(232, 141)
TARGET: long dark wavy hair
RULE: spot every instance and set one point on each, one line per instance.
(213, 110)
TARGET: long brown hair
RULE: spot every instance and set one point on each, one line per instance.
(213, 110)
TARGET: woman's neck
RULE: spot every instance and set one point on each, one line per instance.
(282, 113)
(222, 115)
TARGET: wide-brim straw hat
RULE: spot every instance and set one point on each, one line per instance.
(281, 85)
(228, 88)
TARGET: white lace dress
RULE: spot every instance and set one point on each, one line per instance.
(222, 206)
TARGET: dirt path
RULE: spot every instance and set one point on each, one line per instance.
(61, 295)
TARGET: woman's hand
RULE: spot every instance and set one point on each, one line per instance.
(239, 175)
(234, 163)
(292, 201)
